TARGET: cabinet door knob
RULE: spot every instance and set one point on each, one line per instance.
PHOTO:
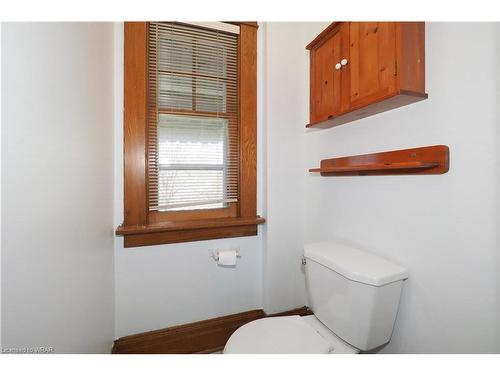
(343, 62)
(338, 66)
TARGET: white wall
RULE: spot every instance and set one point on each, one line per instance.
(0, 188)
(287, 97)
(442, 228)
(57, 186)
(165, 285)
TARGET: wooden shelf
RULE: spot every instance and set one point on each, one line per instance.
(189, 224)
(188, 230)
(376, 167)
(422, 160)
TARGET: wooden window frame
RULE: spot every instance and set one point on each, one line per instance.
(142, 227)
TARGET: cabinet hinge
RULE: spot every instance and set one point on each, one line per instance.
(395, 71)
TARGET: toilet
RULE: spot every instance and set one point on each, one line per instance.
(354, 296)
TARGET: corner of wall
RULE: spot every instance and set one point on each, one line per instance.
(1, 25)
(117, 143)
(262, 150)
(498, 184)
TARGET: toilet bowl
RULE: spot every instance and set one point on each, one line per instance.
(354, 296)
(286, 335)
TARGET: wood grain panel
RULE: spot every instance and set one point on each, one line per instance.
(188, 224)
(378, 105)
(387, 59)
(345, 82)
(176, 236)
(302, 311)
(248, 121)
(205, 336)
(323, 103)
(327, 84)
(372, 57)
(158, 217)
(134, 148)
(420, 160)
(411, 56)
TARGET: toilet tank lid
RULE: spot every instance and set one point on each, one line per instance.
(355, 264)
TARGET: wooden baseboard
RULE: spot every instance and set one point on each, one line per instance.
(207, 336)
(302, 311)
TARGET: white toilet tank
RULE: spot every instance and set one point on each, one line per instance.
(354, 293)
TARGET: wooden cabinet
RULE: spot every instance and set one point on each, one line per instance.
(358, 69)
(325, 80)
(372, 55)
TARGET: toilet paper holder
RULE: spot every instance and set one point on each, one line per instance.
(215, 255)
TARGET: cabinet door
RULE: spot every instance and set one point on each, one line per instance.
(372, 61)
(325, 93)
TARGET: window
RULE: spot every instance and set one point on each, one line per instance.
(194, 168)
(193, 97)
(190, 132)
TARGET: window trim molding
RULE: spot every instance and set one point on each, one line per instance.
(138, 228)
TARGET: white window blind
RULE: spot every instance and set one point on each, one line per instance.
(193, 130)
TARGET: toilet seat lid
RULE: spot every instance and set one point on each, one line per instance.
(279, 335)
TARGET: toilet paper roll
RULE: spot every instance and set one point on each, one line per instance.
(227, 258)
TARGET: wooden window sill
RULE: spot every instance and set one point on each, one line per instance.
(189, 230)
